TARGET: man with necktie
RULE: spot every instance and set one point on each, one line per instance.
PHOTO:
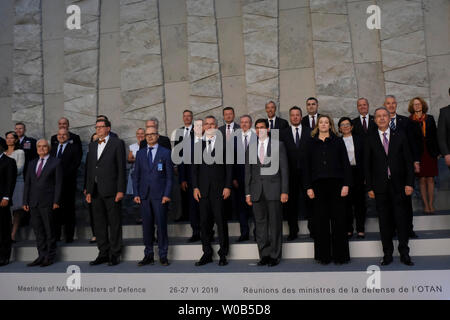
(27, 144)
(152, 185)
(41, 197)
(70, 155)
(389, 180)
(63, 123)
(312, 106)
(274, 121)
(105, 187)
(363, 124)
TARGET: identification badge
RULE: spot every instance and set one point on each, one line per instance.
(160, 166)
(27, 145)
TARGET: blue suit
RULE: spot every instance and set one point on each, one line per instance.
(151, 182)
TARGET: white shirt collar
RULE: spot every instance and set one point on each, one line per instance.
(231, 126)
(388, 132)
(45, 158)
(155, 147)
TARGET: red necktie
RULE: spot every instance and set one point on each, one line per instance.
(39, 170)
(313, 123)
(364, 124)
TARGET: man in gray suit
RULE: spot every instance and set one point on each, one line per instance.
(444, 132)
(266, 188)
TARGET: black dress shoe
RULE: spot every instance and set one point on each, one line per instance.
(243, 237)
(36, 262)
(146, 260)
(273, 262)
(292, 236)
(386, 260)
(46, 263)
(114, 261)
(203, 260)
(99, 260)
(194, 238)
(263, 261)
(406, 259)
(93, 241)
(223, 261)
(164, 262)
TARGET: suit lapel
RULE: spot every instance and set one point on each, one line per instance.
(107, 147)
(380, 144)
(157, 156)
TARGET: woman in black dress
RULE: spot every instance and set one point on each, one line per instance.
(327, 179)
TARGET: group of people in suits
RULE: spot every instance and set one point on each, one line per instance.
(278, 168)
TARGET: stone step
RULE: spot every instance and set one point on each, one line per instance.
(438, 221)
(436, 242)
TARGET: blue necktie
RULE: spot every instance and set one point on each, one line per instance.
(297, 139)
(150, 157)
(392, 124)
(59, 155)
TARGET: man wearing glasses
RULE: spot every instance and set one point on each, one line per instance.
(105, 187)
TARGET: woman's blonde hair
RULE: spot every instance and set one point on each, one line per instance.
(315, 131)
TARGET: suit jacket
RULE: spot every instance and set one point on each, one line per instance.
(45, 190)
(296, 156)
(280, 123)
(70, 160)
(405, 125)
(240, 156)
(153, 182)
(223, 129)
(184, 169)
(305, 121)
(163, 141)
(3, 143)
(211, 179)
(444, 130)
(108, 172)
(271, 185)
(28, 145)
(359, 145)
(431, 139)
(8, 174)
(399, 160)
(358, 127)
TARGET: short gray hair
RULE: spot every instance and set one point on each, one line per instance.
(271, 101)
(212, 117)
(155, 120)
(246, 116)
(381, 108)
(362, 98)
(390, 96)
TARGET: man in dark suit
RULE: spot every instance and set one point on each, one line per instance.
(444, 132)
(399, 123)
(152, 185)
(190, 206)
(70, 155)
(163, 141)
(310, 121)
(295, 139)
(41, 197)
(389, 177)
(8, 173)
(63, 123)
(274, 121)
(105, 187)
(103, 117)
(363, 124)
(3, 143)
(212, 180)
(244, 138)
(27, 144)
(227, 130)
(266, 188)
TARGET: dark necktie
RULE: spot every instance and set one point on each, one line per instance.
(186, 132)
(313, 123)
(150, 157)
(271, 124)
(386, 149)
(364, 124)
(245, 142)
(297, 138)
(39, 170)
(208, 150)
(59, 156)
(228, 131)
(392, 124)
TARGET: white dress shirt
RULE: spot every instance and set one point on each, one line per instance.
(213, 142)
(265, 144)
(362, 120)
(63, 146)
(154, 150)
(187, 130)
(388, 135)
(350, 146)
(274, 121)
(247, 134)
(101, 147)
(310, 120)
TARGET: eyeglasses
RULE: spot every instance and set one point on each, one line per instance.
(98, 127)
(151, 134)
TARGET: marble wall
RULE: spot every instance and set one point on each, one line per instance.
(136, 59)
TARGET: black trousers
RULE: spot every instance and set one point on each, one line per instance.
(355, 204)
(269, 227)
(91, 218)
(43, 222)
(241, 207)
(66, 213)
(392, 214)
(107, 212)
(409, 213)
(292, 207)
(212, 210)
(5, 233)
(329, 211)
(191, 209)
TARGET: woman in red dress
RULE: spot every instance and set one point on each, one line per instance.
(425, 132)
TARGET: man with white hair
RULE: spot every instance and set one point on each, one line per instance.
(163, 141)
